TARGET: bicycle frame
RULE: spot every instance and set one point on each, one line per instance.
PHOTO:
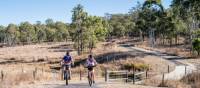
(90, 77)
(66, 74)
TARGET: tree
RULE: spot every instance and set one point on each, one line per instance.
(40, 31)
(61, 31)
(121, 24)
(78, 21)
(2, 34)
(27, 32)
(12, 34)
(189, 12)
(50, 34)
(87, 29)
(97, 30)
(196, 45)
(50, 23)
(152, 11)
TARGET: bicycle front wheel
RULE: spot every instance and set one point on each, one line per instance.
(66, 77)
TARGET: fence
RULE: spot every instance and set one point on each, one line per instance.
(125, 75)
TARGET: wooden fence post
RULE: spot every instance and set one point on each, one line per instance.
(133, 76)
(163, 79)
(2, 76)
(34, 75)
(146, 74)
(126, 76)
(168, 68)
(61, 70)
(106, 75)
(22, 68)
(185, 70)
(43, 69)
(80, 75)
(36, 69)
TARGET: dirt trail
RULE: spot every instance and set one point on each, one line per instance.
(179, 71)
(81, 84)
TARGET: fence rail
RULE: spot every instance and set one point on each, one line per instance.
(125, 75)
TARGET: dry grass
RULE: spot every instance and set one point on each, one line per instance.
(174, 49)
(26, 77)
(192, 79)
(34, 52)
(167, 83)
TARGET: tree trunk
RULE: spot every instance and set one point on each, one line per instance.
(171, 42)
(141, 36)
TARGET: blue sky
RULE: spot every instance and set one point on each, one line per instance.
(16, 11)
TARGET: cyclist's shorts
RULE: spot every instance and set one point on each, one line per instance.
(90, 68)
(67, 66)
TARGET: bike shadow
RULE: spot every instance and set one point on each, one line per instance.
(72, 85)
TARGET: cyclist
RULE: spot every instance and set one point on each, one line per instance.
(90, 64)
(67, 61)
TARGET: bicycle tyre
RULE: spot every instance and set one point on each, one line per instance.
(66, 78)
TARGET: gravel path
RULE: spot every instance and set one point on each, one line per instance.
(81, 84)
(181, 68)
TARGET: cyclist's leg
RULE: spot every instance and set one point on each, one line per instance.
(93, 75)
(70, 73)
(64, 72)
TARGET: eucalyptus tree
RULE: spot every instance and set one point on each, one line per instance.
(50, 34)
(97, 30)
(12, 34)
(139, 22)
(50, 23)
(78, 23)
(2, 34)
(87, 30)
(152, 10)
(61, 31)
(189, 12)
(40, 32)
(27, 32)
(122, 24)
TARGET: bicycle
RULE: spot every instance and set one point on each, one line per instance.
(90, 74)
(66, 73)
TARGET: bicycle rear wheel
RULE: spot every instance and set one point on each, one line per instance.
(90, 81)
(66, 77)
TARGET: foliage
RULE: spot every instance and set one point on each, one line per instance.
(12, 34)
(88, 30)
(27, 32)
(196, 45)
(136, 66)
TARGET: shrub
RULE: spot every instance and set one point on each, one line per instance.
(196, 45)
(136, 66)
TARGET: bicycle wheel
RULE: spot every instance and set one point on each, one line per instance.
(66, 77)
(90, 80)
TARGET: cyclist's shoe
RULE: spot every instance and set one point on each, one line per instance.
(94, 82)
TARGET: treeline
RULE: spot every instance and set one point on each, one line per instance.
(34, 33)
(147, 21)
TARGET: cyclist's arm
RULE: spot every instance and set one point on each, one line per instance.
(72, 61)
(86, 63)
(95, 62)
(62, 61)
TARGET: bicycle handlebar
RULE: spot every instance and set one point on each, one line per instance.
(90, 66)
